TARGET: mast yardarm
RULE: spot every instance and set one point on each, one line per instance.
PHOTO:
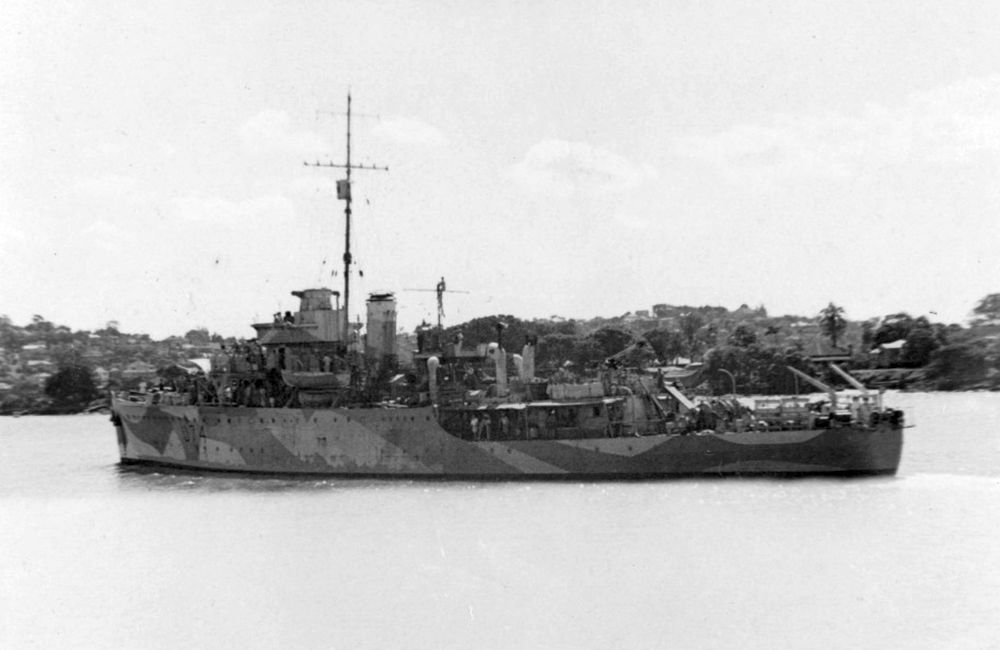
(344, 194)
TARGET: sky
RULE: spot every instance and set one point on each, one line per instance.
(577, 159)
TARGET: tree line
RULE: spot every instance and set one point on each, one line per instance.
(757, 354)
(754, 354)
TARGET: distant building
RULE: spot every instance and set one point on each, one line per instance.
(820, 351)
(101, 376)
(39, 379)
(669, 323)
(803, 328)
(34, 351)
(139, 371)
(92, 353)
(40, 365)
(889, 354)
(203, 364)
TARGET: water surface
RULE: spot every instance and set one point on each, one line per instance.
(95, 556)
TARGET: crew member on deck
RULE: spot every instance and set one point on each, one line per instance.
(865, 411)
(855, 409)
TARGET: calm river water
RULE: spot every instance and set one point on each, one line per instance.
(93, 556)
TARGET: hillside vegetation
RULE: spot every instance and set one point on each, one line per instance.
(45, 367)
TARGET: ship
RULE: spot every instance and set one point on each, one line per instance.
(315, 394)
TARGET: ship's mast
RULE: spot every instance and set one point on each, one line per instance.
(347, 228)
(344, 193)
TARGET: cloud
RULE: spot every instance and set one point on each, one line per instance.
(631, 221)
(256, 212)
(563, 169)
(271, 130)
(312, 186)
(107, 235)
(167, 149)
(107, 186)
(12, 238)
(408, 130)
(949, 126)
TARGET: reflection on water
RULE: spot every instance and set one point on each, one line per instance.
(144, 477)
(138, 477)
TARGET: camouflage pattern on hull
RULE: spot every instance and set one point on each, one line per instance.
(410, 443)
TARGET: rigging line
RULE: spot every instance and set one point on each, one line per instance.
(363, 235)
(321, 273)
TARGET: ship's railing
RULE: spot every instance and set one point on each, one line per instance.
(154, 397)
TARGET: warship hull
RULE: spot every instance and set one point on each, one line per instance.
(409, 443)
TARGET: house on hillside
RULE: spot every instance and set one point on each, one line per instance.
(40, 365)
(139, 371)
(39, 378)
(92, 354)
(101, 376)
(820, 351)
(34, 351)
(888, 355)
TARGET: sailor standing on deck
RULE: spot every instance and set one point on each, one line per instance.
(865, 411)
(855, 409)
(474, 425)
